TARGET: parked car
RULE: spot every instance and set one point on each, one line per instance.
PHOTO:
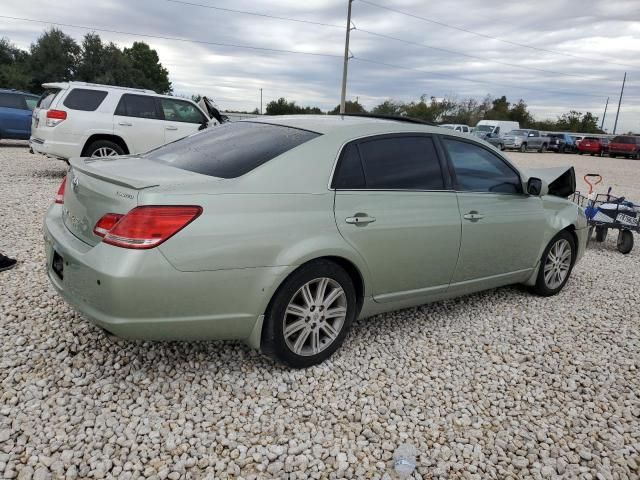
(496, 127)
(626, 146)
(577, 139)
(457, 127)
(281, 231)
(561, 143)
(15, 114)
(526, 139)
(77, 119)
(495, 139)
(594, 146)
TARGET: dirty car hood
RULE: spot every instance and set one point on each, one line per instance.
(561, 180)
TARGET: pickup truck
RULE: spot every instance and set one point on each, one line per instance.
(524, 139)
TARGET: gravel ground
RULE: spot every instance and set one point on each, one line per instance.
(501, 384)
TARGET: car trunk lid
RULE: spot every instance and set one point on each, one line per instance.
(95, 187)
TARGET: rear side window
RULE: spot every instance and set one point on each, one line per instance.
(479, 170)
(12, 100)
(627, 140)
(31, 101)
(232, 149)
(46, 99)
(349, 173)
(141, 106)
(401, 163)
(84, 99)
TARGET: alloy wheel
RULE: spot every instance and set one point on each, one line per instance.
(557, 264)
(315, 316)
(104, 152)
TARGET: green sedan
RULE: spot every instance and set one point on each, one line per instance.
(280, 231)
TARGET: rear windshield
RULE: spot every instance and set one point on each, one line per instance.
(629, 140)
(84, 99)
(47, 98)
(12, 100)
(232, 149)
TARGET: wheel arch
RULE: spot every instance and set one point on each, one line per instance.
(104, 136)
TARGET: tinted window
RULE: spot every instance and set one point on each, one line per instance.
(394, 163)
(181, 111)
(12, 100)
(142, 106)
(47, 97)
(349, 173)
(232, 149)
(83, 99)
(628, 140)
(31, 101)
(478, 170)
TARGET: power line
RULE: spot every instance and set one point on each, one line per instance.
(255, 14)
(430, 72)
(484, 35)
(177, 39)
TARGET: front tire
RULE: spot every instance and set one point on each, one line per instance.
(523, 148)
(310, 314)
(556, 265)
(502, 147)
(104, 148)
(543, 148)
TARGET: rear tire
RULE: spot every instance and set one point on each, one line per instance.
(104, 148)
(543, 148)
(556, 265)
(297, 330)
(502, 147)
(523, 148)
(625, 241)
(612, 155)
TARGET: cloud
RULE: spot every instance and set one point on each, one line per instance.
(591, 32)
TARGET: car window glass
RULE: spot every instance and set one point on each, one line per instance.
(349, 173)
(84, 99)
(31, 102)
(401, 163)
(142, 106)
(180, 111)
(47, 97)
(232, 149)
(12, 100)
(478, 170)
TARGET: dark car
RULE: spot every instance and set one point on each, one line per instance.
(15, 114)
(626, 146)
(561, 143)
(594, 146)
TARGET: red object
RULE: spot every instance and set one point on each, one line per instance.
(59, 198)
(106, 223)
(591, 145)
(598, 179)
(625, 145)
(149, 226)
(57, 114)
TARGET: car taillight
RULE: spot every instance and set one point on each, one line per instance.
(54, 117)
(106, 223)
(60, 195)
(149, 226)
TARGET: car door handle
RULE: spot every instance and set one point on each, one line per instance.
(360, 220)
(125, 124)
(171, 127)
(473, 216)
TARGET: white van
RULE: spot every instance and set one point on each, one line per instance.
(78, 119)
(457, 127)
(494, 127)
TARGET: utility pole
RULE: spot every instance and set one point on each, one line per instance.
(615, 125)
(605, 114)
(261, 101)
(346, 59)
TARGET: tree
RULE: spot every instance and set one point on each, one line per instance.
(389, 107)
(14, 71)
(92, 64)
(284, 107)
(349, 107)
(54, 58)
(519, 113)
(499, 109)
(148, 72)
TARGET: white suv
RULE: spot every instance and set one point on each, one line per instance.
(77, 119)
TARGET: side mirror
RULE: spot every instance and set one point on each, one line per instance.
(534, 187)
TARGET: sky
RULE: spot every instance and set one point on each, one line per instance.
(557, 55)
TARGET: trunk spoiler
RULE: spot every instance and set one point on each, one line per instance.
(85, 166)
(561, 180)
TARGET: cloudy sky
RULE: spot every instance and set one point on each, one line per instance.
(581, 48)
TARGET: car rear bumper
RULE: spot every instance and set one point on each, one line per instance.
(50, 148)
(138, 294)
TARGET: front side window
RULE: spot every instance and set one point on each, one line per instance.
(84, 99)
(141, 106)
(181, 111)
(479, 170)
(12, 100)
(232, 149)
(534, 134)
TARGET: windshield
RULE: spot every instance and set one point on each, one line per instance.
(232, 149)
(628, 140)
(518, 132)
(485, 128)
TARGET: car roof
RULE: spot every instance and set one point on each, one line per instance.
(66, 85)
(330, 123)
(17, 92)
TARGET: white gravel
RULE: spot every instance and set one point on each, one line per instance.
(501, 384)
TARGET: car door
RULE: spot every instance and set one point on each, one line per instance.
(138, 121)
(181, 118)
(535, 141)
(502, 228)
(15, 116)
(392, 204)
